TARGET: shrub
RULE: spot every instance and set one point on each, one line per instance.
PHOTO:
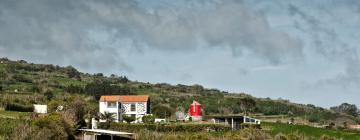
(22, 78)
(325, 137)
(53, 126)
(7, 126)
(145, 134)
(128, 119)
(18, 107)
(49, 94)
(280, 137)
(253, 134)
(148, 119)
(314, 118)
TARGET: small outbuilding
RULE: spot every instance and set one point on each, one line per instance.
(42, 109)
(101, 134)
(234, 121)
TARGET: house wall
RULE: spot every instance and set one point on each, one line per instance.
(103, 108)
(141, 108)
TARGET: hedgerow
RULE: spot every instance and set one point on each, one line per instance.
(166, 127)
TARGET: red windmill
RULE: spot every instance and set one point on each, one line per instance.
(195, 111)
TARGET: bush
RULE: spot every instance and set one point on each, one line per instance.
(325, 137)
(128, 119)
(280, 137)
(55, 127)
(49, 95)
(7, 126)
(18, 107)
(22, 78)
(148, 119)
(314, 118)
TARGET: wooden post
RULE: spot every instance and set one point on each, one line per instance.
(232, 123)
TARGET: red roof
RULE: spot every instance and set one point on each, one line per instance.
(125, 98)
(195, 103)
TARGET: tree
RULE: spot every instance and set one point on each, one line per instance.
(128, 119)
(346, 108)
(52, 126)
(161, 111)
(123, 79)
(49, 95)
(108, 117)
(72, 72)
(78, 108)
(247, 105)
(99, 88)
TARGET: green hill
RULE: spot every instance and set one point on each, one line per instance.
(23, 84)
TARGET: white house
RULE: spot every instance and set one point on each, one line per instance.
(130, 105)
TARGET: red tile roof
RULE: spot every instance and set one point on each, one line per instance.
(125, 98)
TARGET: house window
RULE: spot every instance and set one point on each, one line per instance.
(132, 107)
(111, 104)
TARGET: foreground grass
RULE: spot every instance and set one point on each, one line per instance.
(7, 127)
(276, 128)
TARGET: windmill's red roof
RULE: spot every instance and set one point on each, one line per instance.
(196, 103)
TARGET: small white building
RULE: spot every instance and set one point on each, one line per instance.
(234, 121)
(42, 109)
(130, 105)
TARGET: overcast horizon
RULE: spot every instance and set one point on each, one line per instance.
(303, 51)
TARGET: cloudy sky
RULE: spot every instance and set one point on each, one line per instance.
(303, 51)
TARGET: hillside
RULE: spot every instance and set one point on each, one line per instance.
(24, 84)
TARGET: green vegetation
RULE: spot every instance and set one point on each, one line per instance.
(161, 111)
(7, 126)
(277, 128)
(23, 84)
(148, 119)
(14, 114)
(166, 127)
(128, 119)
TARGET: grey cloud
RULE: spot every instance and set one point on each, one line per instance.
(325, 40)
(327, 43)
(350, 78)
(58, 31)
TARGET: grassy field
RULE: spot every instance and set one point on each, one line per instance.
(276, 128)
(14, 114)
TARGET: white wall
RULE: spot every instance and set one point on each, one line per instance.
(40, 109)
(103, 108)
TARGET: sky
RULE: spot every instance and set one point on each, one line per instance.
(304, 51)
